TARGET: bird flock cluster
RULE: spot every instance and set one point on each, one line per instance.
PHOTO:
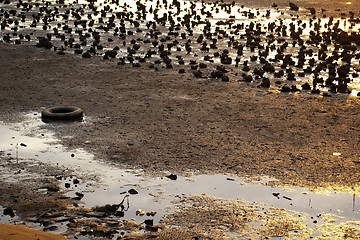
(291, 49)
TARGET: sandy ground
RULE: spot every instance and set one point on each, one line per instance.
(12, 232)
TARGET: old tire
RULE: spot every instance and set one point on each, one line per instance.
(62, 113)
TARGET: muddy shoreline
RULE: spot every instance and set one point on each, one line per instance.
(148, 119)
(171, 118)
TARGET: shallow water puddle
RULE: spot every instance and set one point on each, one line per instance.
(112, 185)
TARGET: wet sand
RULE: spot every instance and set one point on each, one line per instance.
(16, 232)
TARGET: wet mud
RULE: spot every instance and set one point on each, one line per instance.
(172, 91)
(84, 198)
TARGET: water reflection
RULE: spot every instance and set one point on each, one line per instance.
(113, 185)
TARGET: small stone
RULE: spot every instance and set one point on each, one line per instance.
(225, 78)
(276, 194)
(86, 55)
(288, 198)
(133, 191)
(306, 86)
(293, 6)
(285, 89)
(9, 211)
(79, 194)
(149, 222)
(151, 213)
(172, 177)
(265, 83)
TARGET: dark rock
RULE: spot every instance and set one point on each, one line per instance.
(315, 91)
(133, 191)
(86, 55)
(216, 74)
(294, 89)
(247, 78)
(293, 6)
(225, 78)
(226, 60)
(301, 74)
(78, 51)
(343, 88)
(67, 185)
(306, 86)
(9, 212)
(285, 89)
(197, 74)
(79, 194)
(149, 222)
(44, 43)
(111, 53)
(202, 65)
(265, 83)
(312, 11)
(172, 176)
(276, 195)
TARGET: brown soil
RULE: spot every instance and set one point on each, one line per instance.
(16, 232)
(161, 120)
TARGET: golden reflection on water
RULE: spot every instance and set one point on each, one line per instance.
(238, 14)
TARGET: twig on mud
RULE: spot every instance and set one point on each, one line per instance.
(127, 203)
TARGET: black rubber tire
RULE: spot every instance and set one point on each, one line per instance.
(62, 113)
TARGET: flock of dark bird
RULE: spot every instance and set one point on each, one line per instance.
(290, 49)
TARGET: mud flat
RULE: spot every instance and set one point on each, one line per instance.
(226, 100)
(57, 190)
